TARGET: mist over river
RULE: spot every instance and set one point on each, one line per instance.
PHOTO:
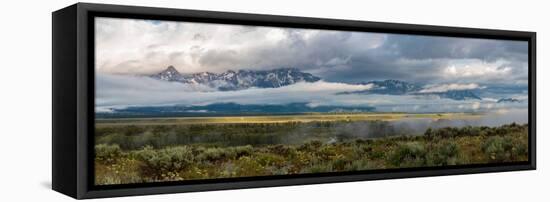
(296, 129)
(417, 126)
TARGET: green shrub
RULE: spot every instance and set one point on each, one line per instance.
(340, 164)
(521, 149)
(408, 154)
(223, 153)
(495, 149)
(362, 164)
(475, 131)
(241, 151)
(107, 153)
(216, 154)
(267, 159)
(310, 146)
(429, 133)
(318, 168)
(165, 163)
(326, 152)
(361, 150)
(119, 139)
(283, 150)
(246, 166)
(377, 154)
(445, 153)
(152, 154)
(504, 149)
(123, 171)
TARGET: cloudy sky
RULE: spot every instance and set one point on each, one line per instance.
(128, 48)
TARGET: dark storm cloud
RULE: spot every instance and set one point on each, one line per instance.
(372, 68)
(137, 47)
(427, 59)
(425, 47)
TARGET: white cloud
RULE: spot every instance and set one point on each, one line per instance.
(477, 69)
(439, 88)
(117, 91)
(121, 91)
(476, 105)
(126, 46)
(135, 47)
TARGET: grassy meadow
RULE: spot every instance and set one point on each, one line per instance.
(175, 149)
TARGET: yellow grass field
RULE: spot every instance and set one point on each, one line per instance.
(284, 118)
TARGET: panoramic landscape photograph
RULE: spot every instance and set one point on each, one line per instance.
(179, 101)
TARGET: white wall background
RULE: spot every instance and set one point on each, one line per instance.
(25, 104)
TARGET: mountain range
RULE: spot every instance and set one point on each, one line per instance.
(218, 109)
(396, 87)
(390, 87)
(241, 79)
(508, 100)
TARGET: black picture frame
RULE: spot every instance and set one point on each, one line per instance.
(73, 99)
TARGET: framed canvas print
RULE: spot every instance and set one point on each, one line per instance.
(154, 100)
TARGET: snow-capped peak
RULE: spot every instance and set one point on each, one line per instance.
(241, 79)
